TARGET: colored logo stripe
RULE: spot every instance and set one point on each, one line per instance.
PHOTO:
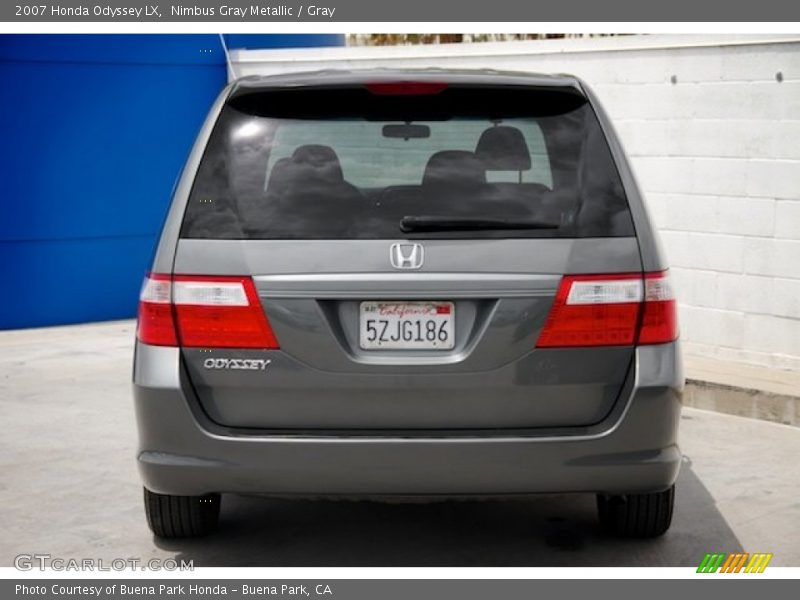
(758, 563)
(734, 563)
(711, 562)
(741, 562)
(728, 561)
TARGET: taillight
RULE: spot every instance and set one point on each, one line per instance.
(155, 325)
(660, 315)
(611, 310)
(203, 312)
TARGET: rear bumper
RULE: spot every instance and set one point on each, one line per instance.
(633, 450)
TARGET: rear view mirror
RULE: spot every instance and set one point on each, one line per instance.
(406, 131)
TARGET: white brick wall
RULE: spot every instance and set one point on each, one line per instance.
(717, 154)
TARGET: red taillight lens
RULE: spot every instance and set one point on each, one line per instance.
(156, 325)
(220, 312)
(660, 317)
(593, 310)
(406, 88)
(611, 310)
(209, 312)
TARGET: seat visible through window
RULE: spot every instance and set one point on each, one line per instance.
(306, 186)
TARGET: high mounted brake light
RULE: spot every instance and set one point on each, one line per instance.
(203, 312)
(406, 88)
(611, 310)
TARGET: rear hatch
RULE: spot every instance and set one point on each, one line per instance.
(402, 253)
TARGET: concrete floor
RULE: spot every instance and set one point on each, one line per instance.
(69, 487)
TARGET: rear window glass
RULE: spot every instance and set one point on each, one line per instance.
(351, 164)
(369, 159)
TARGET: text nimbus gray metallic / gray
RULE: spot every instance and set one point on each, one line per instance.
(225, 10)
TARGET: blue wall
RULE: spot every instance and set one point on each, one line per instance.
(94, 131)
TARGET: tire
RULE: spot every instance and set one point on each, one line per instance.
(181, 516)
(636, 515)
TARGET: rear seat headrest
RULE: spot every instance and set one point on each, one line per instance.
(322, 159)
(503, 148)
(454, 167)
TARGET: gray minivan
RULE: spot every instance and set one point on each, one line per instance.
(396, 283)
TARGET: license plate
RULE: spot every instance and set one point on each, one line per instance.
(406, 325)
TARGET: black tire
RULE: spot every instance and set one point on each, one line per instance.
(637, 515)
(181, 516)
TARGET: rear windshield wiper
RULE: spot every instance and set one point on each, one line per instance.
(425, 223)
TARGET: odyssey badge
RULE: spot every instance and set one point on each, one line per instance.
(237, 364)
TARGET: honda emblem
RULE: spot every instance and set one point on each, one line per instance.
(406, 256)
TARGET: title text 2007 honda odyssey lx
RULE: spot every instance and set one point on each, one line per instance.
(402, 284)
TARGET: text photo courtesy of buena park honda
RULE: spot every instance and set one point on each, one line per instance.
(400, 300)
